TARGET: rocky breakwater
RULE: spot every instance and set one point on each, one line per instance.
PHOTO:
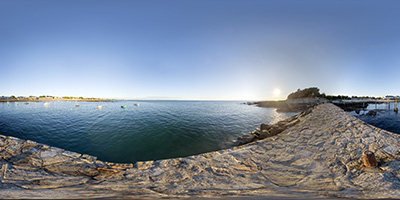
(267, 130)
(321, 155)
(290, 105)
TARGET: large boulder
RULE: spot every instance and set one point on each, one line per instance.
(371, 113)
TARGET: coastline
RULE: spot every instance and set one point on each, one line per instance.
(302, 104)
(319, 156)
(44, 100)
(290, 105)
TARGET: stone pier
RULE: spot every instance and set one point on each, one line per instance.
(320, 156)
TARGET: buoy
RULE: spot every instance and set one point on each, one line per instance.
(396, 110)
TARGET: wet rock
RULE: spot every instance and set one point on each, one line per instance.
(267, 130)
(245, 139)
(276, 129)
(264, 127)
(371, 113)
(3, 141)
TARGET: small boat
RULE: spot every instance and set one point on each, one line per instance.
(46, 104)
(76, 105)
(124, 106)
(26, 103)
(99, 107)
(136, 104)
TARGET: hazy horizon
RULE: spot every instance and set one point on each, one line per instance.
(198, 50)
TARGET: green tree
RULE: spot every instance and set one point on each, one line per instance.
(312, 92)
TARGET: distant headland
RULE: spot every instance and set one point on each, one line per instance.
(50, 98)
(304, 99)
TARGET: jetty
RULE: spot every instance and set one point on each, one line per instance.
(350, 105)
(326, 153)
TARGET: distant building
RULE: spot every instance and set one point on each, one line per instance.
(391, 97)
(3, 97)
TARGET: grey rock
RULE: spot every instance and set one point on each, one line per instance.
(371, 113)
(3, 141)
(73, 168)
(315, 153)
(392, 150)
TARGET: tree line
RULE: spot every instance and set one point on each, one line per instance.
(314, 92)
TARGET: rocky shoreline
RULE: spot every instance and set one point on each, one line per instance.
(267, 130)
(45, 100)
(299, 105)
(290, 105)
(319, 154)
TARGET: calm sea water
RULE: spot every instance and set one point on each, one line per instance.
(154, 130)
(385, 118)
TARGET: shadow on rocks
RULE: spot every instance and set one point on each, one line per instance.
(266, 130)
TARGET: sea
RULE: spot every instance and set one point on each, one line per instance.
(141, 131)
(385, 117)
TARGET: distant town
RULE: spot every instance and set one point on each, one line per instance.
(343, 97)
(71, 98)
(48, 98)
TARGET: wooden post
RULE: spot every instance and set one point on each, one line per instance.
(369, 159)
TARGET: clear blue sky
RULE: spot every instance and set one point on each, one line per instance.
(198, 49)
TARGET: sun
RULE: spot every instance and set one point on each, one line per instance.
(277, 92)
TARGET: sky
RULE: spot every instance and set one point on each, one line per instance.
(199, 49)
